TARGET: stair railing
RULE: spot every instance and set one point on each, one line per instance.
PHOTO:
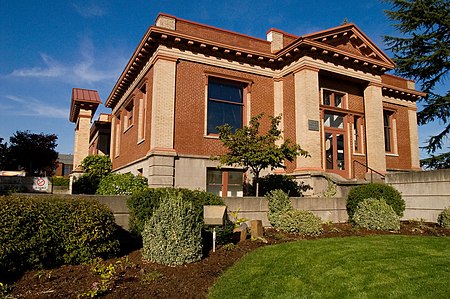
(367, 169)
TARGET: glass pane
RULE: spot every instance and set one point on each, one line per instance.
(356, 133)
(333, 120)
(224, 92)
(215, 190)
(235, 191)
(214, 176)
(223, 113)
(387, 139)
(338, 100)
(235, 177)
(329, 150)
(340, 152)
(327, 98)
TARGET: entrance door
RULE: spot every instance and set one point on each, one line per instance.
(335, 141)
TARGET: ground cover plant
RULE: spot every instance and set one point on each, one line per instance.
(133, 277)
(444, 218)
(371, 267)
(376, 214)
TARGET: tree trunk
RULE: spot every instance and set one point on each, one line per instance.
(257, 184)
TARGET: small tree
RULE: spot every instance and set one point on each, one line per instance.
(95, 168)
(250, 149)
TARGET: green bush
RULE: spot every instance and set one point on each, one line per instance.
(97, 165)
(121, 184)
(376, 214)
(272, 182)
(143, 203)
(60, 181)
(377, 191)
(172, 236)
(38, 232)
(299, 222)
(444, 218)
(85, 184)
(278, 202)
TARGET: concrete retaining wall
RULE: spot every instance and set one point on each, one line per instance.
(426, 193)
(329, 209)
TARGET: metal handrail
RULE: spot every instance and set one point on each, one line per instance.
(368, 168)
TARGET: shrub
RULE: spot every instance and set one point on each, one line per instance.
(85, 184)
(299, 222)
(272, 182)
(172, 236)
(97, 165)
(278, 202)
(38, 232)
(121, 184)
(143, 203)
(444, 218)
(60, 181)
(376, 191)
(376, 214)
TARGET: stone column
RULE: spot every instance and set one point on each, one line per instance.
(373, 107)
(162, 153)
(307, 117)
(278, 109)
(413, 138)
(82, 131)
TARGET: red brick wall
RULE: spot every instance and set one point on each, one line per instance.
(394, 80)
(130, 150)
(190, 106)
(403, 160)
(289, 114)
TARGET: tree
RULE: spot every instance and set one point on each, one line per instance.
(423, 54)
(34, 153)
(250, 149)
(3, 155)
(95, 168)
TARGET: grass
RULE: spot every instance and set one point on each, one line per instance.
(354, 267)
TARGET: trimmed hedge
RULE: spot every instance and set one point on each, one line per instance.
(376, 191)
(121, 184)
(444, 218)
(376, 214)
(173, 235)
(37, 232)
(298, 222)
(143, 203)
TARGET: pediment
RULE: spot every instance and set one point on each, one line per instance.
(350, 39)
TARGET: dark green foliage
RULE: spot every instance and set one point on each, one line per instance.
(278, 202)
(34, 153)
(444, 218)
(121, 184)
(422, 53)
(272, 182)
(142, 204)
(376, 214)
(377, 191)
(60, 181)
(172, 236)
(38, 232)
(249, 148)
(95, 167)
(436, 161)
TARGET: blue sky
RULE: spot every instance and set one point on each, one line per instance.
(49, 47)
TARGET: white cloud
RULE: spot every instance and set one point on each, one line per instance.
(85, 70)
(29, 106)
(89, 10)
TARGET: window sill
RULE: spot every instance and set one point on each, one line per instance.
(391, 155)
(211, 136)
(359, 154)
(128, 128)
(141, 141)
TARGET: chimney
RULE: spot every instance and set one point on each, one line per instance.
(165, 21)
(275, 37)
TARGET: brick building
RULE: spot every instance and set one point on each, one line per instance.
(331, 87)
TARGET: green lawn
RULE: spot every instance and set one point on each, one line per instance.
(355, 267)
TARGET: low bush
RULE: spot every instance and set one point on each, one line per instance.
(143, 203)
(172, 236)
(60, 181)
(278, 202)
(298, 222)
(38, 232)
(376, 191)
(121, 184)
(272, 182)
(376, 214)
(85, 184)
(444, 218)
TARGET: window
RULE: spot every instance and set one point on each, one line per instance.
(225, 104)
(129, 114)
(117, 136)
(334, 99)
(357, 134)
(142, 111)
(225, 182)
(387, 121)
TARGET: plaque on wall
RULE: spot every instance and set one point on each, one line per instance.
(313, 125)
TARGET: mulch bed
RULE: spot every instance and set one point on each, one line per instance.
(136, 278)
